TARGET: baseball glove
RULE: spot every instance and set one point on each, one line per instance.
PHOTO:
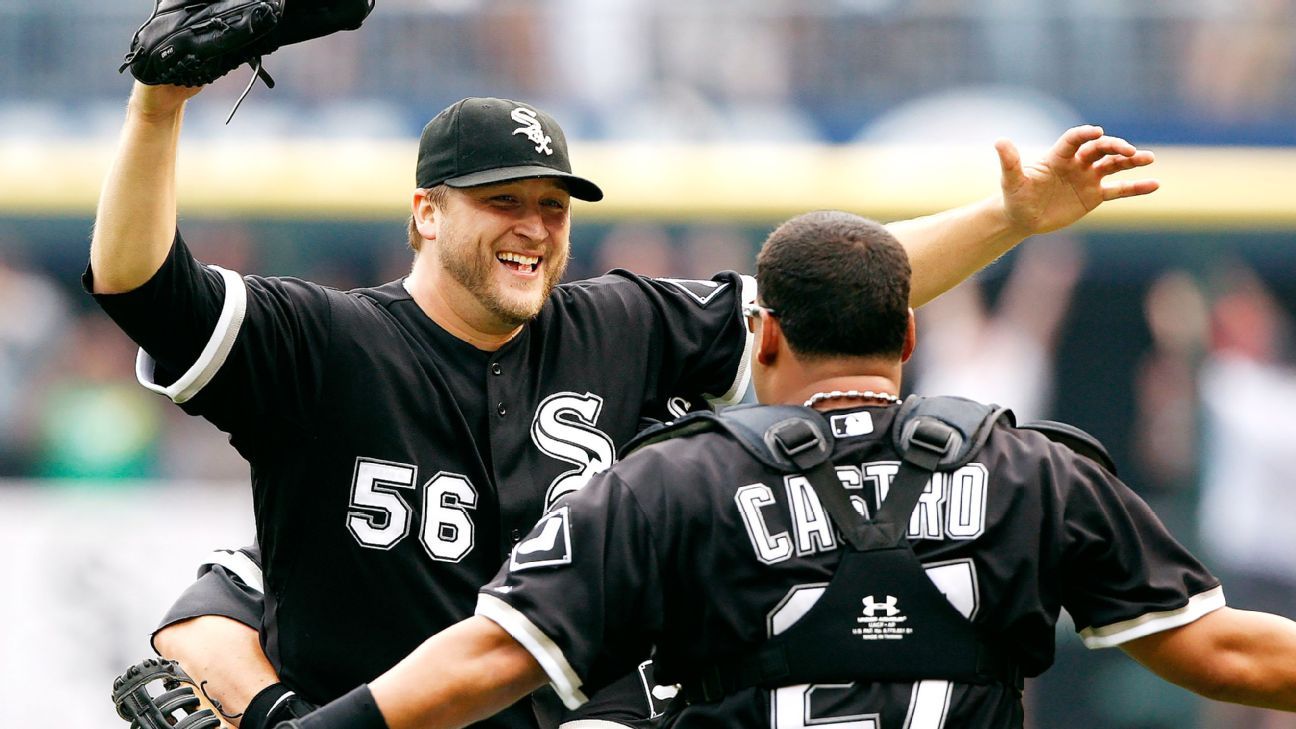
(176, 706)
(195, 42)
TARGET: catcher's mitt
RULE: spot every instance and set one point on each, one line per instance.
(195, 42)
(176, 706)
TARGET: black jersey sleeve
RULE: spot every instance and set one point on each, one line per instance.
(172, 315)
(1124, 575)
(582, 591)
(698, 330)
(229, 584)
(243, 352)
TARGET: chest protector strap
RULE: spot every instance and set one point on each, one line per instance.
(881, 617)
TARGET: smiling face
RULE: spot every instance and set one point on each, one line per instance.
(505, 246)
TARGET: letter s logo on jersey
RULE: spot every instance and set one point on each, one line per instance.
(563, 427)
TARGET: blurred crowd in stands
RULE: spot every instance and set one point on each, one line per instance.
(1161, 70)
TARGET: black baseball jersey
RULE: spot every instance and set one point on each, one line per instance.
(392, 464)
(693, 549)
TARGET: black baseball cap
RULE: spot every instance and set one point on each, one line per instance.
(480, 141)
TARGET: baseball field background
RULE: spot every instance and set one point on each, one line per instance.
(1169, 330)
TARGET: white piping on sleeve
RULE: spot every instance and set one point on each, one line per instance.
(1109, 636)
(213, 355)
(550, 657)
(743, 377)
(241, 565)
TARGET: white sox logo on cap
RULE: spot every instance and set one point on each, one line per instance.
(473, 142)
(532, 129)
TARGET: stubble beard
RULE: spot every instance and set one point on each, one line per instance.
(472, 270)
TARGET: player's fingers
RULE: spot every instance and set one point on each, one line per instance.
(1009, 162)
(1071, 140)
(1143, 158)
(1114, 163)
(1117, 190)
(1091, 152)
(1111, 165)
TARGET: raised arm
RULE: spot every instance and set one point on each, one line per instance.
(136, 220)
(1069, 181)
(1238, 656)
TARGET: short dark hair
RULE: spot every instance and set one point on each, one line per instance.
(839, 285)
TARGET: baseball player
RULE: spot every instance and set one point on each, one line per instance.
(403, 437)
(866, 565)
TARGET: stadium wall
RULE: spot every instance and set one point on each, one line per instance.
(1202, 187)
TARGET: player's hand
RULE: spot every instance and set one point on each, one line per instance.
(1070, 180)
(162, 99)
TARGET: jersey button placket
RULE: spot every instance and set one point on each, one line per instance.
(497, 369)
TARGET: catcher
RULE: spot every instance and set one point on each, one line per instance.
(195, 42)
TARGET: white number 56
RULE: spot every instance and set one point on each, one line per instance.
(380, 517)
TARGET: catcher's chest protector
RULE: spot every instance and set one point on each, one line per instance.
(881, 612)
(886, 621)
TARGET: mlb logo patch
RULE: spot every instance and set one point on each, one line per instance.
(848, 425)
(548, 544)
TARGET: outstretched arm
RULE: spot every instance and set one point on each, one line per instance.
(1238, 656)
(1068, 182)
(464, 674)
(136, 219)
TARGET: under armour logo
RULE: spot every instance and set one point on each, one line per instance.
(889, 605)
(532, 129)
